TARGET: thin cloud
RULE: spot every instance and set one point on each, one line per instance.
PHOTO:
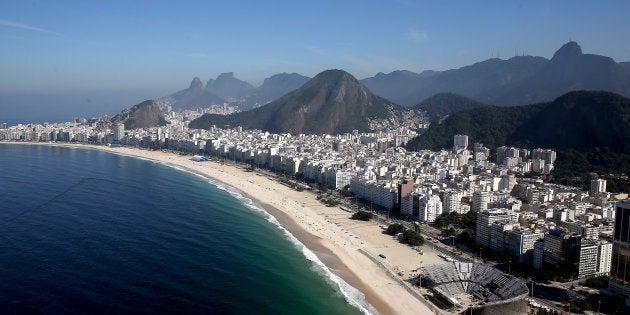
(316, 50)
(23, 26)
(418, 36)
(201, 55)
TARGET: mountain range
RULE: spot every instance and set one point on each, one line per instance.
(228, 89)
(517, 81)
(332, 102)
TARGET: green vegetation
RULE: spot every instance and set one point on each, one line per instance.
(575, 167)
(588, 130)
(580, 305)
(598, 282)
(449, 232)
(467, 238)
(362, 216)
(412, 238)
(345, 192)
(292, 183)
(490, 125)
(454, 219)
(329, 202)
(445, 104)
(395, 228)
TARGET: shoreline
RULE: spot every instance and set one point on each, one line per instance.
(348, 248)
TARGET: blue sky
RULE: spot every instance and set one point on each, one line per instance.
(57, 46)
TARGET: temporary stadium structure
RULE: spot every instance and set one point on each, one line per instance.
(482, 283)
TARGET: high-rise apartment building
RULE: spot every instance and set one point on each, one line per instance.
(460, 142)
(620, 262)
(598, 186)
(429, 208)
(452, 201)
(521, 242)
(480, 201)
(119, 132)
(486, 218)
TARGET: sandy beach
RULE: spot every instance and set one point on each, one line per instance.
(349, 248)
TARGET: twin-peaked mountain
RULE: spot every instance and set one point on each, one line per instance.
(332, 102)
(226, 88)
(195, 96)
(517, 81)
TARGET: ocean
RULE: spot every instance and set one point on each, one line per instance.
(89, 232)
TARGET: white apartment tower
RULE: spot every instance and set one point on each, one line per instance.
(486, 218)
(604, 256)
(119, 132)
(429, 208)
(598, 186)
(452, 201)
(480, 201)
(588, 258)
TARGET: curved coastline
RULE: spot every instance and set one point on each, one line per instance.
(351, 294)
(346, 258)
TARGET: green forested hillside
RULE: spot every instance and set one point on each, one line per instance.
(590, 130)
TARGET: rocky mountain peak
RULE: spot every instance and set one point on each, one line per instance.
(196, 84)
(568, 50)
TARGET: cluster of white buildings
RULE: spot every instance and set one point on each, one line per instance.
(373, 166)
(514, 215)
(572, 236)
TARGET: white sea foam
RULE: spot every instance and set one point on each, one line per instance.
(352, 295)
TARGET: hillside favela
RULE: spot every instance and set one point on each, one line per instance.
(486, 185)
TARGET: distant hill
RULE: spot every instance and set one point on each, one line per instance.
(568, 70)
(589, 129)
(400, 86)
(275, 87)
(445, 104)
(229, 87)
(144, 115)
(191, 98)
(517, 81)
(332, 102)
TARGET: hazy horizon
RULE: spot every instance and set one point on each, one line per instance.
(71, 52)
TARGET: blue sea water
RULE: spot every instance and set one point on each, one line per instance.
(89, 232)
